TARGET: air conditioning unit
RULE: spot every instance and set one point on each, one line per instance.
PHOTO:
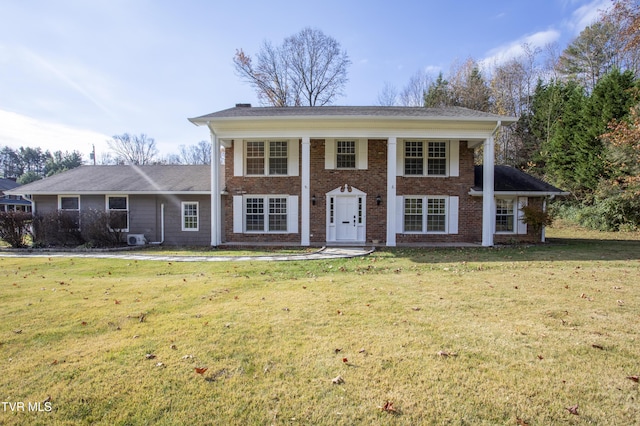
(136, 240)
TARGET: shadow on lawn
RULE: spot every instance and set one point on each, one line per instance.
(556, 249)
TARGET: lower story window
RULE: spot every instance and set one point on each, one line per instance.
(425, 214)
(504, 215)
(118, 208)
(190, 216)
(266, 214)
(69, 207)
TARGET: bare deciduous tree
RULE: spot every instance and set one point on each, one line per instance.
(414, 92)
(138, 150)
(199, 153)
(388, 96)
(309, 68)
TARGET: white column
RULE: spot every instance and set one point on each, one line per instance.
(487, 193)
(216, 205)
(391, 191)
(305, 199)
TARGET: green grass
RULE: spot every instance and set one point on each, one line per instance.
(534, 330)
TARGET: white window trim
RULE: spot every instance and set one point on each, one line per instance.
(331, 154)
(240, 157)
(107, 209)
(60, 209)
(452, 157)
(451, 214)
(60, 197)
(519, 227)
(240, 213)
(182, 216)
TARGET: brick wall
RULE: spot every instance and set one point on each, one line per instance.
(372, 181)
(470, 208)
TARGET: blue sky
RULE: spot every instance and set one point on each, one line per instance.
(75, 72)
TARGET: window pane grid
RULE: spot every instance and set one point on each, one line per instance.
(346, 154)
(413, 158)
(190, 216)
(255, 214)
(278, 158)
(437, 158)
(413, 215)
(504, 215)
(255, 158)
(277, 214)
(436, 215)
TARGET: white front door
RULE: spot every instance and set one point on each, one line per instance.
(346, 217)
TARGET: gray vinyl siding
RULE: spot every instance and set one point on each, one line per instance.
(45, 203)
(145, 216)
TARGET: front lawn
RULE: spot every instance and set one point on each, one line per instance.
(516, 335)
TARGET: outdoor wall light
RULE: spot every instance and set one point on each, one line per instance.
(313, 199)
(378, 200)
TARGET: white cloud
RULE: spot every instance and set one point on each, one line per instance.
(18, 130)
(515, 48)
(586, 15)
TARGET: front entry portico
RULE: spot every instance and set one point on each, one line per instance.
(346, 215)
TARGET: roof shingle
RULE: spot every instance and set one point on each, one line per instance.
(125, 179)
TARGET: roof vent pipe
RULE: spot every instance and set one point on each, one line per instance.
(243, 105)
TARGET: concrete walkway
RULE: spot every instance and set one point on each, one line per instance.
(323, 253)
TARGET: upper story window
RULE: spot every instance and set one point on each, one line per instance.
(425, 158)
(118, 209)
(345, 154)
(267, 158)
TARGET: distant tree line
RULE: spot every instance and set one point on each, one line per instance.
(26, 164)
(577, 113)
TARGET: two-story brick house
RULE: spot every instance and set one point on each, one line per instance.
(364, 175)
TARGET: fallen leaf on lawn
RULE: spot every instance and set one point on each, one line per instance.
(415, 308)
(540, 357)
(447, 354)
(83, 323)
(573, 410)
(174, 347)
(160, 364)
(117, 301)
(620, 302)
(521, 422)
(345, 360)
(149, 356)
(54, 362)
(388, 407)
(201, 370)
(17, 331)
(337, 380)
(597, 346)
(188, 356)
(634, 378)
(336, 350)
